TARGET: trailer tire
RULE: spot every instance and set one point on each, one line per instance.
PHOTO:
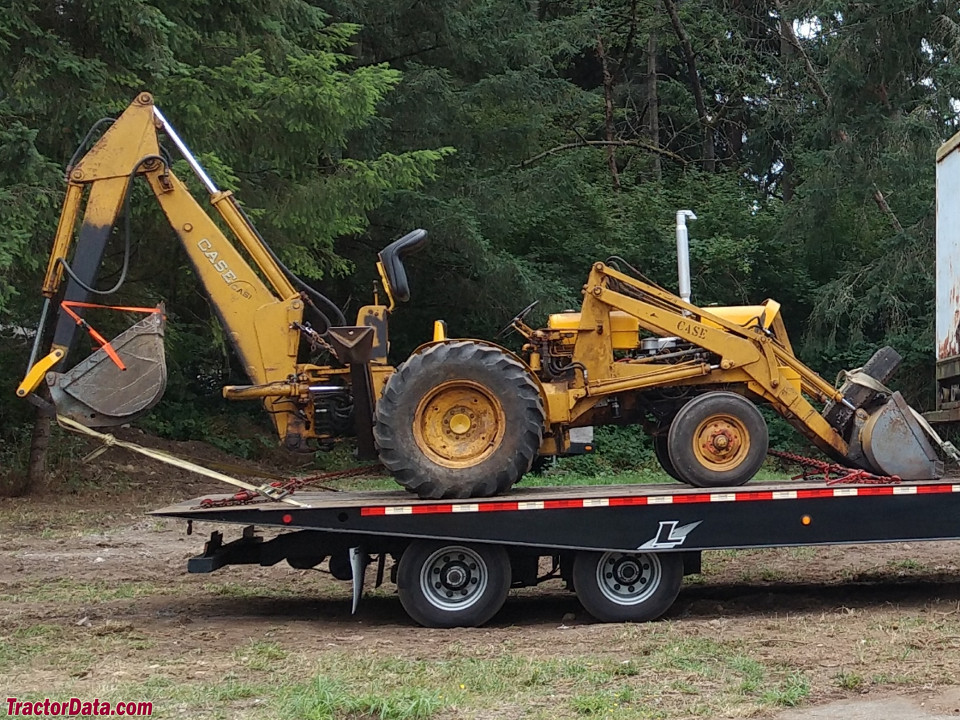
(443, 584)
(627, 587)
(459, 419)
(718, 439)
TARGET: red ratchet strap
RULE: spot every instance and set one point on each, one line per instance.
(67, 305)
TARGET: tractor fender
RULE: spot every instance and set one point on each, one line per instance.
(501, 348)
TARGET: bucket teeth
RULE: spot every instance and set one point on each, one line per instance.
(97, 393)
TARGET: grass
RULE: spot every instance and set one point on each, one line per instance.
(849, 680)
(259, 655)
(324, 697)
(66, 590)
(17, 648)
(663, 670)
(788, 693)
(703, 678)
(907, 565)
(580, 473)
(653, 672)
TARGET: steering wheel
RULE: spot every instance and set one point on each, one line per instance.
(517, 318)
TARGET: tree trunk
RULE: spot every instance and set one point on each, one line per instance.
(786, 180)
(709, 151)
(787, 33)
(39, 443)
(653, 103)
(608, 113)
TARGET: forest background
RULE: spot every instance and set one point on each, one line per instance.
(529, 138)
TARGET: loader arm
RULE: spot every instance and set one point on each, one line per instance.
(257, 303)
(762, 361)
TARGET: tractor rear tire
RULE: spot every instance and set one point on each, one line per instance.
(460, 419)
(718, 439)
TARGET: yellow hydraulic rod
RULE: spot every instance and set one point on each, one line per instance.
(665, 376)
(227, 206)
(36, 373)
(268, 390)
(61, 241)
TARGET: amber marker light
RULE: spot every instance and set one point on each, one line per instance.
(805, 520)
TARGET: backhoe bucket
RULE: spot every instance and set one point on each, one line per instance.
(97, 393)
(894, 443)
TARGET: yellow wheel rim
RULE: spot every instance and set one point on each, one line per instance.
(459, 424)
(721, 442)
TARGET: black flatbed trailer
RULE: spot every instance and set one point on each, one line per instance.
(623, 548)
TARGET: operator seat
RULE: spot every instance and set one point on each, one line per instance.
(391, 259)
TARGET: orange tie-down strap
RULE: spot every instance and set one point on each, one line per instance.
(68, 306)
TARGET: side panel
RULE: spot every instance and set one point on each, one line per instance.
(948, 280)
(707, 521)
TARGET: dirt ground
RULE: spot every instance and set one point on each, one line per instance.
(94, 596)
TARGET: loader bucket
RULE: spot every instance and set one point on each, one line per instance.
(97, 393)
(895, 443)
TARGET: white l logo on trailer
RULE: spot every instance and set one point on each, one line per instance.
(669, 535)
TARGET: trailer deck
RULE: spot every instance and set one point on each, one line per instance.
(624, 517)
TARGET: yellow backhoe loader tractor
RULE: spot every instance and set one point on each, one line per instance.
(459, 418)
(274, 320)
(465, 417)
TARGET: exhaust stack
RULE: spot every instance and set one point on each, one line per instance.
(683, 253)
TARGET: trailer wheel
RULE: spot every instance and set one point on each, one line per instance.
(718, 439)
(458, 420)
(627, 587)
(444, 585)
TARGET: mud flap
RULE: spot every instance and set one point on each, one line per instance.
(97, 393)
(895, 443)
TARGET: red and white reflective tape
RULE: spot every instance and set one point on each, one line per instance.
(679, 499)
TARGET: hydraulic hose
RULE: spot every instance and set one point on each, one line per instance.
(86, 139)
(126, 233)
(315, 294)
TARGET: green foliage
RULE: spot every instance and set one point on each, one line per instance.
(618, 448)
(782, 435)
(530, 140)
(268, 91)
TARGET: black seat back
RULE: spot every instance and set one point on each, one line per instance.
(391, 257)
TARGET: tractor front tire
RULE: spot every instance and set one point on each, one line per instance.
(460, 419)
(661, 450)
(718, 439)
